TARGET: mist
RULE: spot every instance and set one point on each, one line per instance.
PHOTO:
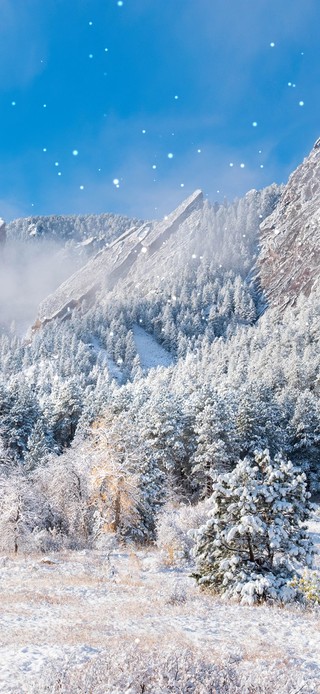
(28, 273)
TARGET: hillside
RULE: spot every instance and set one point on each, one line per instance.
(288, 262)
(149, 255)
(81, 233)
(38, 253)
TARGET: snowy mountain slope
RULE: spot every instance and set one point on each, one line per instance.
(289, 258)
(114, 262)
(37, 254)
(143, 256)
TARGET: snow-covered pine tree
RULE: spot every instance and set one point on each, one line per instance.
(65, 412)
(39, 445)
(254, 538)
(305, 425)
(215, 441)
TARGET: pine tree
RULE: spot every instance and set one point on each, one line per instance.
(305, 426)
(22, 413)
(65, 412)
(215, 441)
(38, 446)
(254, 538)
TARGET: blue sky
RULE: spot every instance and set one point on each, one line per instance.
(128, 107)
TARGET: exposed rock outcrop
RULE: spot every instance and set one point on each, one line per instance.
(288, 262)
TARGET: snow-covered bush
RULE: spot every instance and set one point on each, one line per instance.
(308, 584)
(176, 528)
(133, 669)
(254, 539)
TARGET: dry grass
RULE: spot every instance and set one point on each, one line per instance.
(112, 603)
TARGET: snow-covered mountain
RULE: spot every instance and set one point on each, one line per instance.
(274, 233)
(85, 234)
(145, 256)
(37, 254)
(289, 258)
(115, 261)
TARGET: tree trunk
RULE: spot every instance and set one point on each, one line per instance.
(117, 511)
(251, 555)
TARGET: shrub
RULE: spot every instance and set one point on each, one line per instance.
(309, 586)
(176, 528)
(134, 670)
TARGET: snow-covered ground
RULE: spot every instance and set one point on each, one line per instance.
(151, 354)
(68, 610)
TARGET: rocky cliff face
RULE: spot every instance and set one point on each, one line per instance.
(288, 262)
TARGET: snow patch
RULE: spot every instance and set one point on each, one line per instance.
(151, 354)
